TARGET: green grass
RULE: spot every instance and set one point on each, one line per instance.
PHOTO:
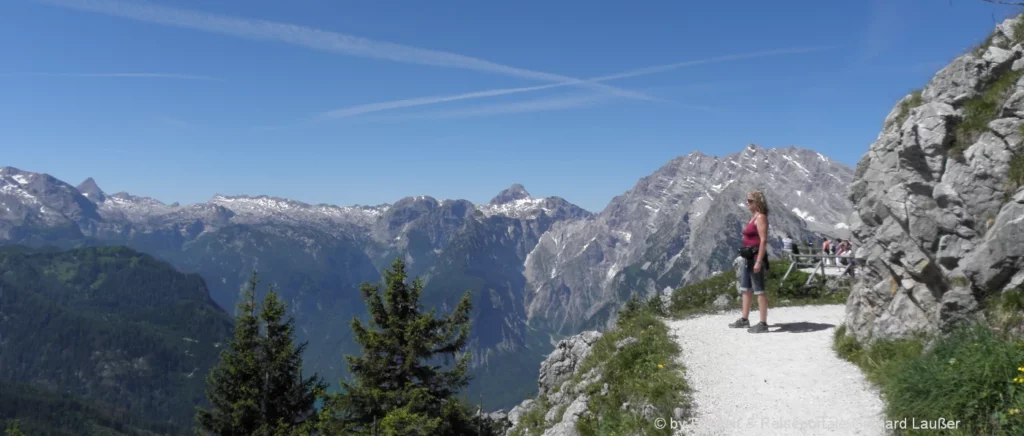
(644, 372)
(1018, 33)
(698, 297)
(959, 281)
(981, 48)
(1015, 177)
(532, 422)
(906, 105)
(981, 110)
(1008, 311)
(880, 360)
(970, 375)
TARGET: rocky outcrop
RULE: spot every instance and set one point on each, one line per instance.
(561, 400)
(936, 216)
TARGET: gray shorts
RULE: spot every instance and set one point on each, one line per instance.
(749, 280)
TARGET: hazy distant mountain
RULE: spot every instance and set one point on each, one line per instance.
(536, 266)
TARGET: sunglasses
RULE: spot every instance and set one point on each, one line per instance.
(750, 201)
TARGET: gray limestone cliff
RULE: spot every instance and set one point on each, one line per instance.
(938, 203)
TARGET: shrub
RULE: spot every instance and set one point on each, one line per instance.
(981, 110)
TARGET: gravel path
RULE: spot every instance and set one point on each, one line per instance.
(785, 382)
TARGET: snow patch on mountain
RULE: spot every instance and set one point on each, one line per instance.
(516, 208)
(806, 216)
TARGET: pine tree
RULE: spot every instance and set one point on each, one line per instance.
(257, 387)
(233, 386)
(398, 387)
(14, 429)
(288, 399)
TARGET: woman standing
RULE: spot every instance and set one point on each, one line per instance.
(755, 254)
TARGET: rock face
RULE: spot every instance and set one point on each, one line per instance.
(566, 401)
(935, 213)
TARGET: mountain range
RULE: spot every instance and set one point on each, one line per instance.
(538, 268)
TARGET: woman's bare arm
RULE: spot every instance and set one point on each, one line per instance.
(762, 231)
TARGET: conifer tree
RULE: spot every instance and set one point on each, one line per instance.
(257, 387)
(288, 399)
(398, 385)
(233, 386)
(14, 429)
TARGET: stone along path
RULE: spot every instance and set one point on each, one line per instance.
(785, 382)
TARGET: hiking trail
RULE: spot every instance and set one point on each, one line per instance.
(788, 381)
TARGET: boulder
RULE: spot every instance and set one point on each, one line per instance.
(561, 364)
(722, 302)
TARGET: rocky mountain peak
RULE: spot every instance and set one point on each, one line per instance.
(511, 194)
(91, 190)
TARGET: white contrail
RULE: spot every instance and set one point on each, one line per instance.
(538, 105)
(317, 39)
(113, 75)
(419, 101)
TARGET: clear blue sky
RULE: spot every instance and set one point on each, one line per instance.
(329, 101)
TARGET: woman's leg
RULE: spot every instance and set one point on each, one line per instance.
(746, 305)
(762, 306)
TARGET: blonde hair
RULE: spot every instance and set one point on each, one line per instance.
(760, 203)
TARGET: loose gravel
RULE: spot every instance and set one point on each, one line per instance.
(785, 382)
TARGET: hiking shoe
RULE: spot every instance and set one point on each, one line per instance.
(740, 323)
(759, 328)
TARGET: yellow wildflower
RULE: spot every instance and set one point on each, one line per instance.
(660, 366)
(1013, 412)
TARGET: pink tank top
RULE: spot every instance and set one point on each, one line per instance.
(750, 235)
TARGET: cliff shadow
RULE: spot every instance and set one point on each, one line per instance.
(799, 327)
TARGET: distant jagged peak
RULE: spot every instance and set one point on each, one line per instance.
(511, 194)
(122, 198)
(20, 177)
(265, 201)
(266, 205)
(91, 190)
(416, 200)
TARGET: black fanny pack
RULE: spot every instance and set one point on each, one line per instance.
(748, 252)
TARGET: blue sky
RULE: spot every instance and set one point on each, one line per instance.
(367, 102)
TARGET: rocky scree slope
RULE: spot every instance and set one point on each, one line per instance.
(938, 201)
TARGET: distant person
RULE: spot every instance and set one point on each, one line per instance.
(787, 245)
(836, 245)
(850, 258)
(754, 253)
(842, 252)
(826, 250)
